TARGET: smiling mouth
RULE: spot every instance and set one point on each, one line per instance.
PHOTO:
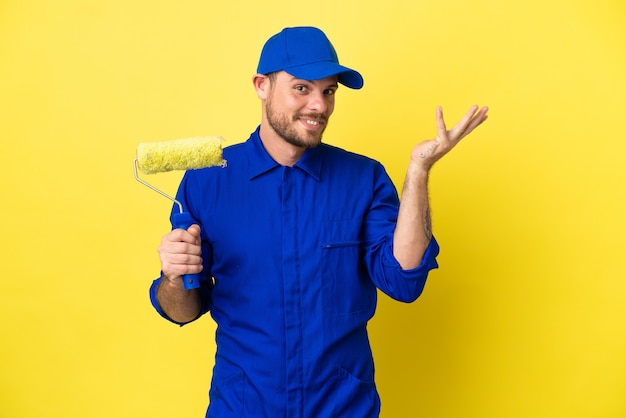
(312, 120)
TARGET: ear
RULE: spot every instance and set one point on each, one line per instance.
(261, 85)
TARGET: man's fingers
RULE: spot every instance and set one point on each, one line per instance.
(180, 252)
(442, 131)
(468, 123)
(478, 119)
(179, 247)
(184, 259)
(174, 270)
(179, 257)
(459, 129)
(180, 242)
(194, 230)
(191, 235)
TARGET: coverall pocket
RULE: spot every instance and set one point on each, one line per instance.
(355, 397)
(226, 397)
(346, 286)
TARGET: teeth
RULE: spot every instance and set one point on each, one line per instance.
(312, 122)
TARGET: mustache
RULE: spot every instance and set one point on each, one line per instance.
(314, 116)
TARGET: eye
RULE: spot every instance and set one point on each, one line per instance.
(330, 92)
(300, 88)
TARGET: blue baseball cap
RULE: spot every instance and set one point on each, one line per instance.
(306, 53)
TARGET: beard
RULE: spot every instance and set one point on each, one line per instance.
(286, 128)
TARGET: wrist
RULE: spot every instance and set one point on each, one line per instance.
(418, 170)
(172, 281)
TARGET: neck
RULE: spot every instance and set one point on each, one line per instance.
(281, 151)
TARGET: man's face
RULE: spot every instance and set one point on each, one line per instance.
(298, 110)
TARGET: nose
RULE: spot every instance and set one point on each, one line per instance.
(318, 102)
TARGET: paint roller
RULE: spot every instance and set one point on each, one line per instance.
(179, 154)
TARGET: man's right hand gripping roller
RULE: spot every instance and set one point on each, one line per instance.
(179, 154)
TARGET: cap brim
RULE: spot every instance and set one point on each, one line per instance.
(316, 71)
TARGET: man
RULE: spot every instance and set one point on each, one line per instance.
(293, 239)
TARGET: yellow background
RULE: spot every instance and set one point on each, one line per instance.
(526, 316)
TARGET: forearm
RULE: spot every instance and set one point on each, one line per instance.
(413, 229)
(177, 303)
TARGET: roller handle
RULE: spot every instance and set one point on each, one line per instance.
(184, 220)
